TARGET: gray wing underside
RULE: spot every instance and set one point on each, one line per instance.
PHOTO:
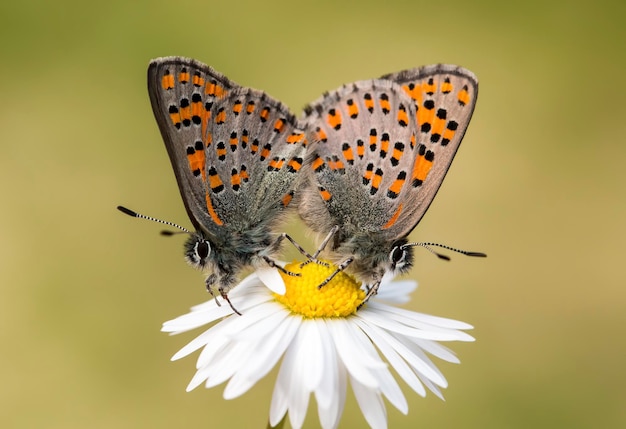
(422, 113)
(235, 151)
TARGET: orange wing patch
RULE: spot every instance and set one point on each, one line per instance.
(326, 196)
(373, 135)
(369, 174)
(185, 111)
(439, 123)
(183, 76)
(265, 114)
(265, 152)
(421, 167)
(336, 164)
(215, 183)
(414, 91)
(398, 150)
(348, 154)
(235, 180)
(233, 141)
(448, 134)
(353, 109)
(320, 135)
(250, 107)
(376, 180)
(211, 210)
(167, 81)
(197, 80)
(294, 164)
(360, 148)
(430, 87)
(403, 118)
(237, 107)
(334, 119)
(384, 103)
(295, 137)
(287, 198)
(369, 102)
(197, 159)
(394, 218)
(318, 164)
(214, 89)
(446, 86)
(279, 125)
(276, 164)
(396, 186)
(174, 116)
(384, 145)
(463, 96)
(425, 115)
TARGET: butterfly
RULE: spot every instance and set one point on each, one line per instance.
(236, 153)
(378, 153)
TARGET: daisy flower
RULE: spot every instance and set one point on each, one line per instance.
(324, 342)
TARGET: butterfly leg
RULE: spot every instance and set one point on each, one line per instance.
(371, 291)
(224, 295)
(273, 264)
(209, 282)
(339, 269)
(321, 248)
(300, 249)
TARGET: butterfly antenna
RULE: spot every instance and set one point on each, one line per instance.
(133, 213)
(428, 246)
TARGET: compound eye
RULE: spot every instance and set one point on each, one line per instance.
(202, 249)
(397, 257)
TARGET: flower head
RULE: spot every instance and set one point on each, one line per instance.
(324, 342)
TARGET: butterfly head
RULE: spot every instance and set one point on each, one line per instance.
(373, 257)
(198, 251)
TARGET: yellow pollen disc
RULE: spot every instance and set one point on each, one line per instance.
(339, 298)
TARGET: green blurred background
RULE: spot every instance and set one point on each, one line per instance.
(538, 184)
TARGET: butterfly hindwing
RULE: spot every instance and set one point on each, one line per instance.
(359, 160)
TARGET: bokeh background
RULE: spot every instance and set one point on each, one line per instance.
(538, 184)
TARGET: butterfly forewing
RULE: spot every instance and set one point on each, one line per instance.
(235, 150)
(444, 97)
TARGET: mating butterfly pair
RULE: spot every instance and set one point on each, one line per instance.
(362, 165)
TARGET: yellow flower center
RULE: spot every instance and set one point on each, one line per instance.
(338, 298)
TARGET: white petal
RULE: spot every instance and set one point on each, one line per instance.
(432, 387)
(272, 279)
(422, 364)
(255, 319)
(198, 378)
(299, 394)
(352, 353)
(412, 358)
(437, 350)
(266, 355)
(389, 387)
(408, 327)
(384, 380)
(204, 314)
(442, 322)
(229, 362)
(311, 355)
(371, 404)
(209, 312)
(378, 337)
(331, 392)
(209, 336)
